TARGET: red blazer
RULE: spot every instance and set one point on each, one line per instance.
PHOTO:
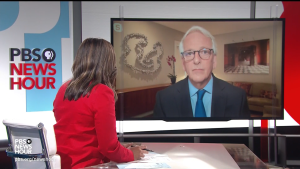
(86, 129)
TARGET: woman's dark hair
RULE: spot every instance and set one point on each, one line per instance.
(94, 63)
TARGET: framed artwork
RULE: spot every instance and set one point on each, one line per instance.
(252, 57)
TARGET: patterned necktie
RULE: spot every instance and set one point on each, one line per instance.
(200, 111)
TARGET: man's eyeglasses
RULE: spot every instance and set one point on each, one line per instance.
(203, 53)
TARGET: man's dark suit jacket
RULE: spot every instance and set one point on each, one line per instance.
(227, 101)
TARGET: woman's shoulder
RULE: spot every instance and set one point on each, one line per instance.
(102, 89)
(66, 83)
(63, 87)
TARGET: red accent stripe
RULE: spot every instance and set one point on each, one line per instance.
(264, 141)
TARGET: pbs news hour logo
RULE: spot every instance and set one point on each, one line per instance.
(29, 70)
(24, 146)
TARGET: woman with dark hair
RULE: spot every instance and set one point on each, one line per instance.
(84, 109)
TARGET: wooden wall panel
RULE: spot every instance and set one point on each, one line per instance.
(137, 101)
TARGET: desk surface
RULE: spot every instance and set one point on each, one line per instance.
(191, 155)
(203, 155)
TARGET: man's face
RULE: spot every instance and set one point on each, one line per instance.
(198, 70)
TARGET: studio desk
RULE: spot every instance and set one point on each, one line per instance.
(137, 101)
(201, 156)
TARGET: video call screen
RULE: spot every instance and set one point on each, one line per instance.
(221, 69)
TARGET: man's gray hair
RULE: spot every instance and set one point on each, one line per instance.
(204, 32)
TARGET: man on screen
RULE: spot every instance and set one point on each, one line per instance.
(200, 94)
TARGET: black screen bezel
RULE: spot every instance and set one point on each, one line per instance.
(175, 119)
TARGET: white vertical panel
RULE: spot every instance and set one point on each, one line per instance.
(67, 49)
(267, 9)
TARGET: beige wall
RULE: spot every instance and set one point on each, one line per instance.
(275, 61)
(154, 33)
